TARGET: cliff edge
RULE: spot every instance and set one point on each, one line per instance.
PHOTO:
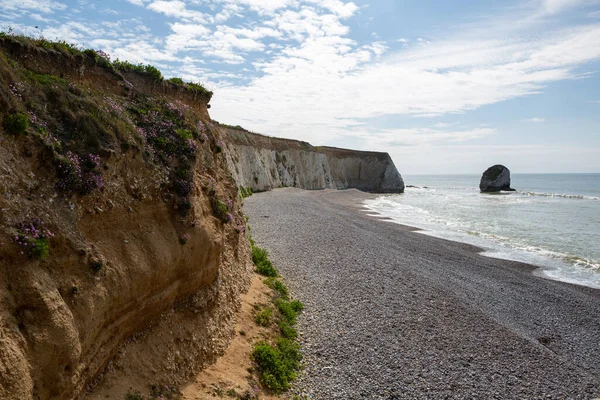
(262, 163)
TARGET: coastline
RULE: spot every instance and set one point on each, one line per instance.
(391, 314)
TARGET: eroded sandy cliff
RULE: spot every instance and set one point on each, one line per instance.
(117, 214)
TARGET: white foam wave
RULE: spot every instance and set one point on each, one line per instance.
(556, 265)
(560, 195)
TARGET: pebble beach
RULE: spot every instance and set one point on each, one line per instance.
(391, 313)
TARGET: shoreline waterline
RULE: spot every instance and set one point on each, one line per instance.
(552, 221)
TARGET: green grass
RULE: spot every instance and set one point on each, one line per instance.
(264, 317)
(260, 258)
(16, 124)
(289, 309)
(277, 286)
(277, 365)
(176, 81)
(142, 69)
(41, 249)
(245, 192)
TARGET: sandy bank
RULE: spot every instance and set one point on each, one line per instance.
(392, 314)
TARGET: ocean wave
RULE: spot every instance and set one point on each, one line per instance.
(569, 259)
(563, 196)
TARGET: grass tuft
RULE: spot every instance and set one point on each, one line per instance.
(264, 317)
(260, 258)
(277, 365)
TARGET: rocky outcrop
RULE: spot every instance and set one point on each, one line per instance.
(495, 179)
(263, 163)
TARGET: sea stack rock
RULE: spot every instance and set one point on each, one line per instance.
(495, 179)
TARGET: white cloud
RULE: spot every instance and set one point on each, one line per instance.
(267, 7)
(556, 6)
(140, 3)
(339, 8)
(44, 6)
(178, 9)
(389, 138)
(310, 90)
(38, 17)
(535, 120)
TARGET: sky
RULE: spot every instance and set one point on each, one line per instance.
(445, 87)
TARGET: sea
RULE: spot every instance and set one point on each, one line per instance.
(551, 221)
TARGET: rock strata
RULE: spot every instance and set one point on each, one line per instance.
(495, 179)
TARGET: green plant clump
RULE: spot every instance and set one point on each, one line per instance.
(147, 69)
(277, 365)
(277, 286)
(41, 249)
(245, 192)
(16, 124)
(263, 318)
(289, 309)
(260, 258)
(135, 395)
(176, 81)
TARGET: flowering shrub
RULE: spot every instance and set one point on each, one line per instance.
(34, 239)
(182, 187)
(113, 105)
(17, 89)
(76, 175)
(221, 210)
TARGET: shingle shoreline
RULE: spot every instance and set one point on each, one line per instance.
(394, 314)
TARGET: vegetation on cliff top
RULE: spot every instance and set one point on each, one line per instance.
(77, 129)
(103, 59)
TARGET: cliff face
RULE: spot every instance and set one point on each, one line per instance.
(263, 163)
(122, 241)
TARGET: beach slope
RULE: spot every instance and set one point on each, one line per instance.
(395, 314)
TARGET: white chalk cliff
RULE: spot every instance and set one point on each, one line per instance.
(262, 163)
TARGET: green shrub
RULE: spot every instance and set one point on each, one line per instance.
(264, 317)
(245, 192)
(176, 81)
(261, 260)
(221, 210)
(287, 330)
(277, 365)
(278, 286)
(16, 124)
(289, 309)
(198, 88)
(147, 69)
(153, 72)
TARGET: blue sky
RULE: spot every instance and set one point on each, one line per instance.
(443, 86)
